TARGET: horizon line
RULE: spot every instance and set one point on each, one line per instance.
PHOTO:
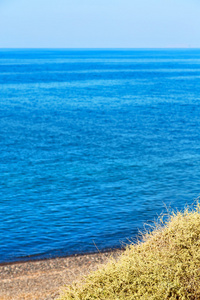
(99, 48)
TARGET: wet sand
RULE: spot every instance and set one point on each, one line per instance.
(43, 279)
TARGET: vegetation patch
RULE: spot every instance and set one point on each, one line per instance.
(165, 265)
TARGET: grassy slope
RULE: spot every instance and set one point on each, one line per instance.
(165, 266)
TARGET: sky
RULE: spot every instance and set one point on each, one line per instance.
(99, 23)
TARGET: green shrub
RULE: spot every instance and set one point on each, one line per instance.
(165, 265)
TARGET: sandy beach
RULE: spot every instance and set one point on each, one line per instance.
(44, 279)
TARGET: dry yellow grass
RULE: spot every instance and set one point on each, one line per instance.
(166, 265)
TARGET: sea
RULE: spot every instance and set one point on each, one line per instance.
(94, 146)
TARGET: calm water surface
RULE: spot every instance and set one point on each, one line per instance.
(93, 144)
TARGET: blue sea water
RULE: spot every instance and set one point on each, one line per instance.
(93, 144)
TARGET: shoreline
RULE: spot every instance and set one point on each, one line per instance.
(32, 259)
(42, 279)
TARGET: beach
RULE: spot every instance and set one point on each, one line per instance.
(44, 279)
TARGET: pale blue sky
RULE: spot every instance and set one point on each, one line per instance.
(99, 23)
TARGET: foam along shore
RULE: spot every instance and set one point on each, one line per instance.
(165, 265)
(43, 279)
